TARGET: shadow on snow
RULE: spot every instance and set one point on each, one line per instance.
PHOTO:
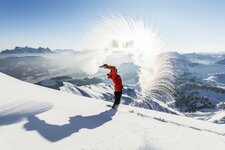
(14, 113)
(55, 133)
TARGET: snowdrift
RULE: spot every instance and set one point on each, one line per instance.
(34, 117)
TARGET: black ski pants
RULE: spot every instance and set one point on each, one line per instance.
(117, 95)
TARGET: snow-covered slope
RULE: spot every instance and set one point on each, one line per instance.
(34, 117)
(105, 92)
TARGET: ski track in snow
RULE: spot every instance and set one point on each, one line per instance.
(160, 120)
(178, 124)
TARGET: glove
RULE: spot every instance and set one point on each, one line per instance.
(103, 66)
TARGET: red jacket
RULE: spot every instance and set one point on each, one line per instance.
(117, 81)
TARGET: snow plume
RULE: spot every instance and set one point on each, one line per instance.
(117, 32)
(160, 90)
(162, 83)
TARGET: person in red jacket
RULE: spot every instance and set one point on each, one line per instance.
(117, 81)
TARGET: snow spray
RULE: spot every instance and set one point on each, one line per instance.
(117, 32)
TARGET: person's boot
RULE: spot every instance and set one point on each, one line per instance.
(115, 106)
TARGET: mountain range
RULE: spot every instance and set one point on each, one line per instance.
(27, 50)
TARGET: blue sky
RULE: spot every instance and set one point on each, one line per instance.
(185, 25)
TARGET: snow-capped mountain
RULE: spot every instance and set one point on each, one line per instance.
(27, 50)
(221, 61)
(27, 68)
(200, 90)
(100, 91)
(35, 68)
(105, 92)
(38, 118)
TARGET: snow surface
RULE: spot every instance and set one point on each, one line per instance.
(105, 92)
(38, 118)
(219, 117)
